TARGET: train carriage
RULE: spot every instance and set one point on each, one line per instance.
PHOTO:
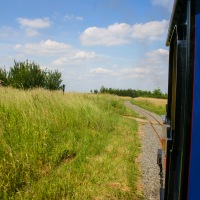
(182, 122)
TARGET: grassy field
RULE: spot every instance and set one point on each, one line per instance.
(157, 106)
(72, 146)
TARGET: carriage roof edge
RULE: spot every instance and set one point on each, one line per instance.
(177, 9)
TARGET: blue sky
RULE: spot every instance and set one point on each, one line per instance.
(115, 43)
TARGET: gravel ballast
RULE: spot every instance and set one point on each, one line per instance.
(150, 143)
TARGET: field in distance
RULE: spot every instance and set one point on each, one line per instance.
(157, 106)
(71, 146)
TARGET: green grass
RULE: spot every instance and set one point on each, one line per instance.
(72, 146)
(148, 105)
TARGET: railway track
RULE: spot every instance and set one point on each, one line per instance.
(150, 117)
(151, 141)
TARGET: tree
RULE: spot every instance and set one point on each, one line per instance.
(157, 93)
(95, 91)
(26, 75)
(102, 89)
(3, 77)
(53, 80)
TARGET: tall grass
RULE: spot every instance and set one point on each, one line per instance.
(72, 146)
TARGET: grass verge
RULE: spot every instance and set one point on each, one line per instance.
(72, 146)
(157, 106)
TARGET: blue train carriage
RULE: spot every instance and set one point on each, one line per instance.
(182, 122)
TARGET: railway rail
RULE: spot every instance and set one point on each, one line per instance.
(149, 116)
(151, 142)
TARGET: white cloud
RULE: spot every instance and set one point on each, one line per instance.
(115, 34)
(100, 71)
(120, 34)
(72, 17)
(164, 3)
(157, 57)
(31, 32)
(137, 72)
(34, 23)
(44, 48)
(158, 52)
(151, 71)
(75, 57)
(85, 55)
(62, 54)
(31, 25)
(154, 30)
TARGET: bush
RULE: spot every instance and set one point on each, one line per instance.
(27, 75)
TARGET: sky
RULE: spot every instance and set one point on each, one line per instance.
(93, 43)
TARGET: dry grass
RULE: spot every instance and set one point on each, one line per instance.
(156, 102)
(157, 106)
(125, 98)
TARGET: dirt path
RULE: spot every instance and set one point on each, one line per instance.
(150, 143)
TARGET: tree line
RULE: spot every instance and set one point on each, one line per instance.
(28, 75)
(157, 93)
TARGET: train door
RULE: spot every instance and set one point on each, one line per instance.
(175, 112)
